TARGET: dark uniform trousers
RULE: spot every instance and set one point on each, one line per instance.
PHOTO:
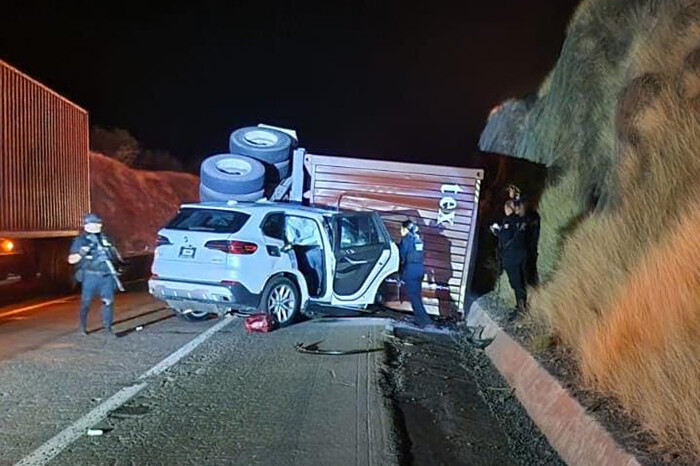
(411, 251)
(94, 284)
(516, 269)
(413, 278)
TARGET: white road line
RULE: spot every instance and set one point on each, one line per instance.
(185, 350)
(58, 443)
(35, 306)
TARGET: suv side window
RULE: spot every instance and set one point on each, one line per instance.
(358, 231)
(273, 226)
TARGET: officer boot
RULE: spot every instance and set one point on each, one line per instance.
(521, 306)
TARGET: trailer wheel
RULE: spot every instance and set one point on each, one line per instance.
(266, 145)
(208, 194)
(56, 273)
(232, 174)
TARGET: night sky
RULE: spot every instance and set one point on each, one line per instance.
(369, 79)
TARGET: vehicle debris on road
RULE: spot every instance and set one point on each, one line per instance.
(314, 349)
(260, 323)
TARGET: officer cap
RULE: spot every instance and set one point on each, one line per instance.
(91, 218)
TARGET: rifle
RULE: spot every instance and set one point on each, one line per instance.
(103, 252)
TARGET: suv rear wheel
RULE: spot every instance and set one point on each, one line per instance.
(282, 299)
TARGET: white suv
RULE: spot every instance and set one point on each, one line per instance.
(276, 257)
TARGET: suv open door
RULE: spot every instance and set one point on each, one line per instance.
(363, 258)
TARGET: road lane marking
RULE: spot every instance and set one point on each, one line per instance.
(35, 306)
(58, 443)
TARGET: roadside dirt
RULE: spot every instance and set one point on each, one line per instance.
(453, 408)
(560, 361)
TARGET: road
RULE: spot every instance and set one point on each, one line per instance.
(238, 398)
(171, 392)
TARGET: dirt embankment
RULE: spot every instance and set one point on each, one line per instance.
(135, 204)
(617, 123)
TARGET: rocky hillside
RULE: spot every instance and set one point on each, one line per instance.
(135, 204)
(617, 124)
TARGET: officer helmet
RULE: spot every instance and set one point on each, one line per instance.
(91, 218)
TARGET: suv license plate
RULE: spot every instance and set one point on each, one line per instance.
(186, 252)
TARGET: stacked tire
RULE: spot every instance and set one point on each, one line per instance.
(270, 147)
(258, 157)
(229, 177)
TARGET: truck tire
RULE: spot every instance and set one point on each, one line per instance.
(283, 169)
(208, 194)
(266, 145)
(56, 273)
(232, 174)
(274, 173)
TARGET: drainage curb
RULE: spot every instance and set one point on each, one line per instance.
(578, 438)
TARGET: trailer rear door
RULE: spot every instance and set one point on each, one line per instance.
(442, 200)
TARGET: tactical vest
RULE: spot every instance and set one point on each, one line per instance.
(415, 253)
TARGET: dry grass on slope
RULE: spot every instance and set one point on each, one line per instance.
(625, 293)
(646, 351)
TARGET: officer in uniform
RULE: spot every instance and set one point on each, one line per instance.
(412, 271)
(90, 252)
(532, 235)
(512, 245)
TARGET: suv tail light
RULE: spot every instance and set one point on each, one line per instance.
(162, 241)
(232, 247)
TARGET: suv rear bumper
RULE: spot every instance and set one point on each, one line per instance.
(211, 297)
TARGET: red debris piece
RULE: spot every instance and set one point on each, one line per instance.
(260, 323)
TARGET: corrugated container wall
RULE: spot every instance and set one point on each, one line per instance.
(442, 200)
(44, 172)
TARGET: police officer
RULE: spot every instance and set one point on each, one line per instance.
(90, 252)
(512, 244)
(412, 271)
(532, 235)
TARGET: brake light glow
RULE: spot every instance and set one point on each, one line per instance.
(162, 241)
(232, 247)
(6, 245)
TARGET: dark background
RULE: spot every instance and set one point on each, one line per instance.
(369, 79)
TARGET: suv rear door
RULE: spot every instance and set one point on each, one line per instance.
(362, 248)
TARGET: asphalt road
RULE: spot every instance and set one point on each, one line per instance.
(235, 399)
(171, 392)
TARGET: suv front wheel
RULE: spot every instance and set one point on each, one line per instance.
(282, 299)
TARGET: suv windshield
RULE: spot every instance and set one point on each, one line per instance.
(219, 221)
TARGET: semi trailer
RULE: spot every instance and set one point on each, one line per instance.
(44, 178)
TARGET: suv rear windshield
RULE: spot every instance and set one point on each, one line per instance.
(218, 221)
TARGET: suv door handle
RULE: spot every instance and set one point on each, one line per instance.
(353, 262)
